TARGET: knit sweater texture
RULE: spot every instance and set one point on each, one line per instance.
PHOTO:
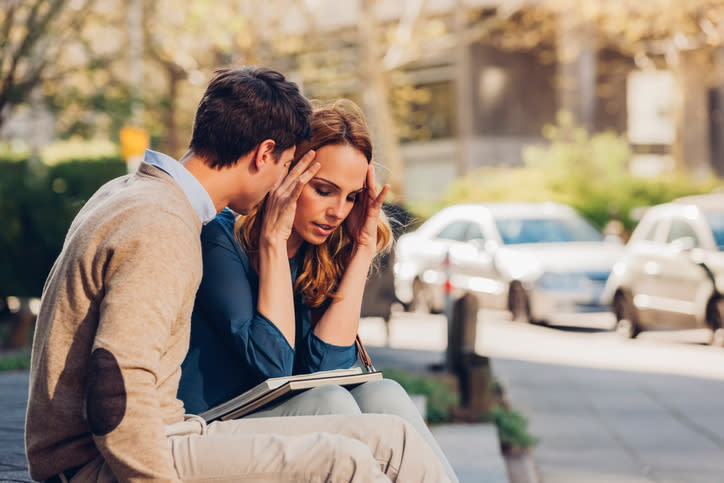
(112, 331)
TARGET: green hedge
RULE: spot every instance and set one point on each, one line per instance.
(37, 204)
(440, 397)
(588, 172)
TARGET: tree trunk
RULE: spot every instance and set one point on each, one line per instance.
(463, 93)
(23, 324)
(692, 150)
(577, 70)
(717, 117)
(376, 102)
(171, 139)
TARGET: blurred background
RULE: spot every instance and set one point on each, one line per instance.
(608, 106)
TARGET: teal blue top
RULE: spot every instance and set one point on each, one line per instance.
(234, 347)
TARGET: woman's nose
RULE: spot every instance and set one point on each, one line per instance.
(337, 209)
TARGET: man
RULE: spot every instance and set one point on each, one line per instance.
(113, 327)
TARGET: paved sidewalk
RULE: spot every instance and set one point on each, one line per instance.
(613, 426)
(14, 390)
(472, 449)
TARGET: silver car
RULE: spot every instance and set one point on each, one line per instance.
(673, 269)
(534, 259)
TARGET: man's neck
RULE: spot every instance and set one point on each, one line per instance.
(207, 176)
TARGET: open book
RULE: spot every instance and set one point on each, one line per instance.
(276, 387)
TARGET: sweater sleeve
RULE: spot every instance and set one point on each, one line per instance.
(147, 275)
(227, 300)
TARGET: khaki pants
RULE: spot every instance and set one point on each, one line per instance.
(383, 396)
(335, 448)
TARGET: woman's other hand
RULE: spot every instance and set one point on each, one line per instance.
(363, 219)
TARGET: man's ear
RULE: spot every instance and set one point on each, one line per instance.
(264, 153)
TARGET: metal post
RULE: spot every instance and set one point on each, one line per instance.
(449, 314)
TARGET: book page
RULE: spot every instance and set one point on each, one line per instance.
(298, 385)
(269, 385)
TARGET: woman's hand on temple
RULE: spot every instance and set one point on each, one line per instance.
(281, 203)
(362, 220)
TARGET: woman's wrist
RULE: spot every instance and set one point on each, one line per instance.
(365, 252)
(272, 247)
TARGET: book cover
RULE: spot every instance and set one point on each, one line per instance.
(276, 387)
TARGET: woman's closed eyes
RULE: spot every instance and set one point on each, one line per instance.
(324, 191)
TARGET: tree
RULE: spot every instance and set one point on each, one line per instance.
(33, 35)
(183, 42)
(363, 60)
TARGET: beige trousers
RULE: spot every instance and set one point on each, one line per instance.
(364, 448)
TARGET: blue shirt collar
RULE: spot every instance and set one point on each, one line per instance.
(195, 192)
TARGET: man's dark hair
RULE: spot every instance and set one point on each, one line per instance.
(245, 106)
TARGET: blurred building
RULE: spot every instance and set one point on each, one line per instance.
(459, 101)
(473, 94)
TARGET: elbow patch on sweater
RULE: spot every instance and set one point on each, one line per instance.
(106, 396)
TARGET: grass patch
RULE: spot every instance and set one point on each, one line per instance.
(441, 397)
(16, 361)
(443, 401)
(512, 429)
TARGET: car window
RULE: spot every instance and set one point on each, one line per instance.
(474, 233)
(651, 233)
(546, 230)
(716, 223)
(681, 228)
(454, 231)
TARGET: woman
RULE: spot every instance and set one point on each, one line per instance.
(282, 286)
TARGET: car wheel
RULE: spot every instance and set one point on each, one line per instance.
(715, 319)
(419, 302)
(518, 303)
(626, 318)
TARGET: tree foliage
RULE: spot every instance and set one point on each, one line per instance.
(36, 40)
(648, 28)
(587, 171)
(37, 204)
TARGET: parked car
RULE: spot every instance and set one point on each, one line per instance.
(672, 272)
(534, 259)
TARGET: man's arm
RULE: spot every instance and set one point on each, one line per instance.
(147, 279)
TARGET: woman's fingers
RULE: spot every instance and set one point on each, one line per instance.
(371, 181)
(304, 170)
(381, 197)
(309, 173)
(291, 186)
(375, 199)
(304, 179)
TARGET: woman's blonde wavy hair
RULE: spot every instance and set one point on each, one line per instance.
(342, 123)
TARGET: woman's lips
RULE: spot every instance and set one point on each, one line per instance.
(322, 229)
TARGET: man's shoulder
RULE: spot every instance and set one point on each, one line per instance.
(144, 195)
(128, 211)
